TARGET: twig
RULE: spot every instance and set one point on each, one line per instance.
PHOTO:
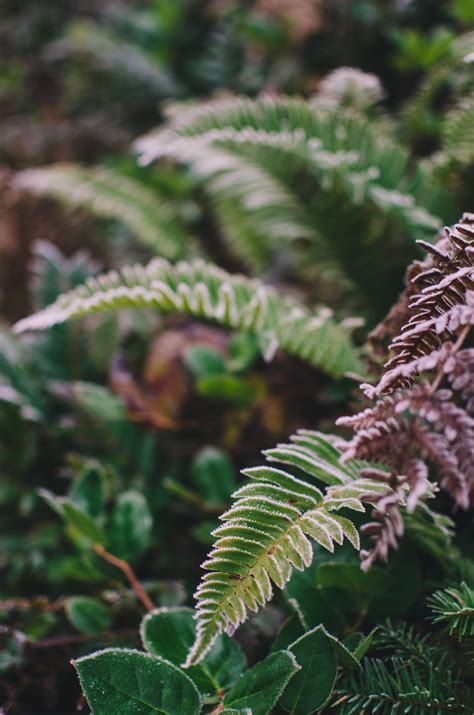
(60, 641)
(39, 603)
(127, 570)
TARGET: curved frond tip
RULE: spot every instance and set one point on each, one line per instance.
(205, 291)
(269, 531)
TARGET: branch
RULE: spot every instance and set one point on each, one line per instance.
(127, 570)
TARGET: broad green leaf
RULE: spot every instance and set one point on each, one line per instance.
(311, 687)
(290, 631)
(99, 402)
(344, 656)
(87, 614)
(329, 606)
(244, 350)
(170, 633)
(120, 681)
(225, 662)
(261, 686)
(350, 577)
(203, 360)
(130, 527)
(226, 388)
(88, 490)
(51, 500)
(404, 569)
(213, 475)
(81, 522)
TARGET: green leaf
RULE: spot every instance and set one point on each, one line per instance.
(127, 682)
(202, 361)
(344, 656)
(170, 632)
(88, 615)
(81, 522)
(244, 350)
(99, 402)
(364, 645)
(350, 577)
(225, 387)
(88, 490)
(130, 527)
(213, 475)
(319, 605)
(290, 631)
(233, 711)
(311, 687)
(51, 500)
(261, 686)
(463, 10)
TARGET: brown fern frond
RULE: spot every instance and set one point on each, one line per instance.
(412, 432)
(388, 525)
(414, 429)
(444, 433)
(439, 300)
(459, 370)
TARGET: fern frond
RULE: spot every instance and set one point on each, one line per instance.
(268, 531)
(349, 87)
(296, 172)
(418, 116)
(455, 607)
(283, 122)
(107, 193)
(441, 302)
(457, 136)
(205, 291)
(113, 53)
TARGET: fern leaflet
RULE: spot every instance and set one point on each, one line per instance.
(205, 291)
(151, 218)
(267, 531)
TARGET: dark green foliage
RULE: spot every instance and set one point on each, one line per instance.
(301, 149)
(127, 681)
(455, 608)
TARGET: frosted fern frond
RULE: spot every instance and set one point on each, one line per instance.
(350, 87)
(441, 302)
(292, 171)
(270, 527)
(202, 290)
(106, 193)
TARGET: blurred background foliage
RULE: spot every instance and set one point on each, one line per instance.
(141, 420)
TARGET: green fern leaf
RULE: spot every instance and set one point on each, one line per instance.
(205, 291)
(151, 218)
(458, 132)
(269, 530)
(285, 171)
(108, 50)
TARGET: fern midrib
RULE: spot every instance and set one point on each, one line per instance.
(244, 579)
